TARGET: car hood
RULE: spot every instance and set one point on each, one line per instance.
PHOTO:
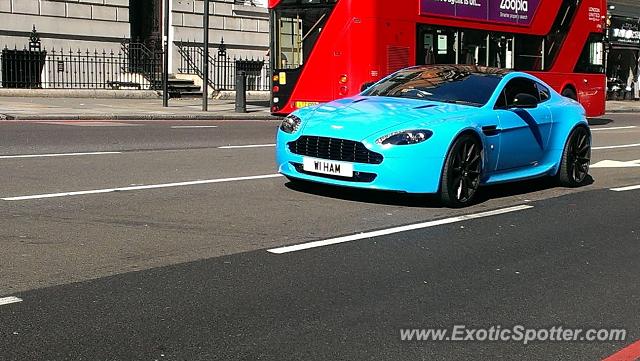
(359, 117)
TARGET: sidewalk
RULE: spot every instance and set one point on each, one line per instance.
(17, 108)
(628, 106)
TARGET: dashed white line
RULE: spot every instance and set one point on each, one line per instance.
(612, 128)
(140, 187)
(193, 126)
(624, 189)
(55, 155)
(9, 300)
(248, 146)
(384, 232)
(617, 146)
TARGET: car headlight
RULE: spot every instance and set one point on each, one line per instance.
(290, 124)
(405, 137)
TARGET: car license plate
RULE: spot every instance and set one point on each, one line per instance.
(328, 167)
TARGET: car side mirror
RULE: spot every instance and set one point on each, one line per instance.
(525, 101)
(366, 86)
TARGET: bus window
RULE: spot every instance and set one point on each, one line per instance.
(473, 47)
(528, 52)
(298, 30)
(559, 30)
(429, 49)
(446, 46)
(500, 51)
(592, 58)
(436, 45)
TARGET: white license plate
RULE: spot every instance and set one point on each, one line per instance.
(328, 167)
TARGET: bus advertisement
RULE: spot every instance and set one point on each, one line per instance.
(323, 50)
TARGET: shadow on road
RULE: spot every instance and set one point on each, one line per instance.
(599, 121)
(365, 195)
(520, 188)
(259, 103)
(423, 200)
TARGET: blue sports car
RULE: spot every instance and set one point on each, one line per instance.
(444, 129)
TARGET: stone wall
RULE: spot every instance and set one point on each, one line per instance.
(103, 24)
(245, 29)
(65, 23)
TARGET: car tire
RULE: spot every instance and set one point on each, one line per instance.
(570, 93)
(576, 158)
(462, 172)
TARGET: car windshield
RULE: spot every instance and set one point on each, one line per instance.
(457, 85)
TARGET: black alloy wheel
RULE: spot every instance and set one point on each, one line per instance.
(576, 158)
(462, 172)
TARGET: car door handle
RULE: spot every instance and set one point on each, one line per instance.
(490, 130)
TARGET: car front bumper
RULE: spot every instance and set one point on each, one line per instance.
(410, 172)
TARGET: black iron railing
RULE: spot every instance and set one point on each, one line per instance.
(78, 69)
(142, 60)
(133, 66)
(222, 69)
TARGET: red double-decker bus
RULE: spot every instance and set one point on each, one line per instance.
(327, 49)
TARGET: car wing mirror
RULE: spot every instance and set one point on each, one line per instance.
(525, 101)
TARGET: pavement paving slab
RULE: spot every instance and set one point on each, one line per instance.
(33, 108)
(36, 108)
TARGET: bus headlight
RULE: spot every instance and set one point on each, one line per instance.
(290, 124)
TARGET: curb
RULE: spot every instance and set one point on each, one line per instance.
(80, 93)
(623, 110)
(134, 117)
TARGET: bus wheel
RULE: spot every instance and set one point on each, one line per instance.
(570, 93)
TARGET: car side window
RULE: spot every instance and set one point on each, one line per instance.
(544, 92)
(501, 102)
(514, 87)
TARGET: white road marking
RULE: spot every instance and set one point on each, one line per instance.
(616, 164)
(248, 146)
(384, 232)
(617, 146)
(612, 128)
(140, 187)
(55, 155)
(624, 189)
(193, 126)
(9, 300)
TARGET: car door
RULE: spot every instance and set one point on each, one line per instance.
(524, 132)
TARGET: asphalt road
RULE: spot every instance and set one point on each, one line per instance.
(183, 271)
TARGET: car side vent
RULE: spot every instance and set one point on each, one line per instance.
(426, 106)
(397, 58)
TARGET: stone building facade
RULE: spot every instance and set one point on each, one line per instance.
(103, 24)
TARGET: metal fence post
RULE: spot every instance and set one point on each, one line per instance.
(205, 58)
(165, 72)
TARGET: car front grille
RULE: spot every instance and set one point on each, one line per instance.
(334, 149)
